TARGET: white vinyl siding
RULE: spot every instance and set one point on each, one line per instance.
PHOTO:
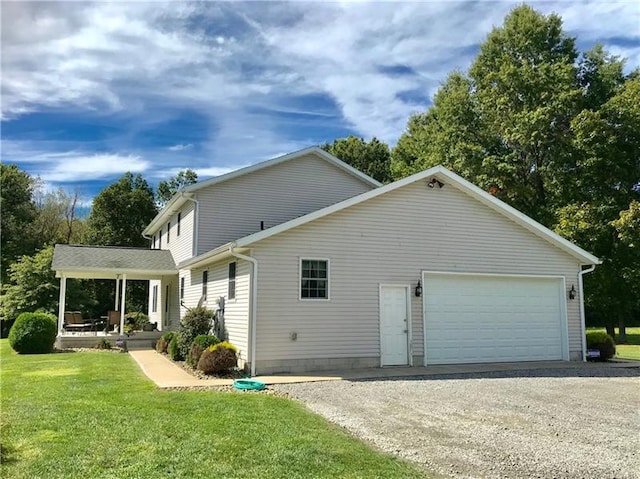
(236, 310)
(165, 320)
(181, 245)
(273, 195)
(390, 240)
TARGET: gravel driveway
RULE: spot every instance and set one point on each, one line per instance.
(582, 422)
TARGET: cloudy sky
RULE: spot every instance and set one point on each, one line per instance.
(91, 90)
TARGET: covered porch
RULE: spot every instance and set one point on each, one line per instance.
(120, 264)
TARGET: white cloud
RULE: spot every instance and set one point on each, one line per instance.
(125, 56)
(181, 147)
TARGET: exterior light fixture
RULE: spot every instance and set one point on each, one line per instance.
(418, 289)
(572, 292)
(434, 182)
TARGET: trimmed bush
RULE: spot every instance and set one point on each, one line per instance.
(196, 322)
(206, 340)
(33, 333)
(219, 358)
(603, 342)
(103, 344)
(199, 344)
(173, 349)
(162, 344)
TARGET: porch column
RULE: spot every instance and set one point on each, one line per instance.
(122, 299)
(117, 291)
(62, 303)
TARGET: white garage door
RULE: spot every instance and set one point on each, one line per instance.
(483, 318)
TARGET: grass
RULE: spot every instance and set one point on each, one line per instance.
(93, 414)
(631, 350)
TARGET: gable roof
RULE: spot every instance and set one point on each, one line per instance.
(108, 261)
(442, 174)
(180, 198)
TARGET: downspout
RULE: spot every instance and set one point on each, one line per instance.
(253, 296)
(196, 221)
(582, 316)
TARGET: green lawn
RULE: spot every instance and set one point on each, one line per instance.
(91, 414)
(631, 350)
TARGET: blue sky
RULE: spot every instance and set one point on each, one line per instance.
(91, 90)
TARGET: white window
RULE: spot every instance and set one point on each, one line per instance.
(181, 288)
(154, 301)
(205, 280)
(232, 280)
(314, 278)
(178, 225)
(168, 232)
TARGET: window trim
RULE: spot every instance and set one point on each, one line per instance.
(205, 281)
(313, 258)
(231, 281)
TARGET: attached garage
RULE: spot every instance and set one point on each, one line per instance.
(476, 318)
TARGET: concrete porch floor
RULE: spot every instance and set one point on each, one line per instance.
(165, 374)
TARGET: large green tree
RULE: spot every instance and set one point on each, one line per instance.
(550, 132)
(18, 211)
(120, 212)
(166, 189)
(372, 158)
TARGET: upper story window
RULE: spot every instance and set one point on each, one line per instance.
(314, 279)
(168, 232)
(232, 280)
(160, 239)
(181, 288)
(205, 280)
(153, 242)
(178, 225)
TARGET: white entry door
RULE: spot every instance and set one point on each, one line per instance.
(394, 325)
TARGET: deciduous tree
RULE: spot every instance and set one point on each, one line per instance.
(372, 158)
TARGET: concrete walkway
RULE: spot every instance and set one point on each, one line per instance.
(166, 374)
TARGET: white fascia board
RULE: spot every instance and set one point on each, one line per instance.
(89, 273)
(178, 200)
(462, 184)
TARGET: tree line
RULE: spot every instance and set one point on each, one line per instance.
(551, 131)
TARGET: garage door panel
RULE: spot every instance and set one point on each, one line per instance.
(491, 319)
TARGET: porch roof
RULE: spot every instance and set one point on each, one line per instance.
(111, 262)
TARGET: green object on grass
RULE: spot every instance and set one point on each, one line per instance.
(249, 384)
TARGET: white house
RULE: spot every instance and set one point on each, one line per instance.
(318, 266)
(322, 267)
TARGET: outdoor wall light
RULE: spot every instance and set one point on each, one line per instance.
(434, 182)
(418, 289)
(572, 292)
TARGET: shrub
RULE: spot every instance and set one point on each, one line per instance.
(163, 343)
(33, 333)
(219, 358)
(199, 344)
(135, 321)
(197, 321)
(603, 342)
(103, 344)
(174, 349)
(194, 354)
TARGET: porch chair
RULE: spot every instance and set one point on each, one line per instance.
(113, 319)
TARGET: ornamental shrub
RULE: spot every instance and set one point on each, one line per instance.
(135, 321)
(219, 358)
(163, 343)
(103, 344)
(603, 342)
(196, 322)
(174, 350)
(33, 333)
(199, 344)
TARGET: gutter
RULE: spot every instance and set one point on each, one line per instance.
(582, 316)
(253, 296)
